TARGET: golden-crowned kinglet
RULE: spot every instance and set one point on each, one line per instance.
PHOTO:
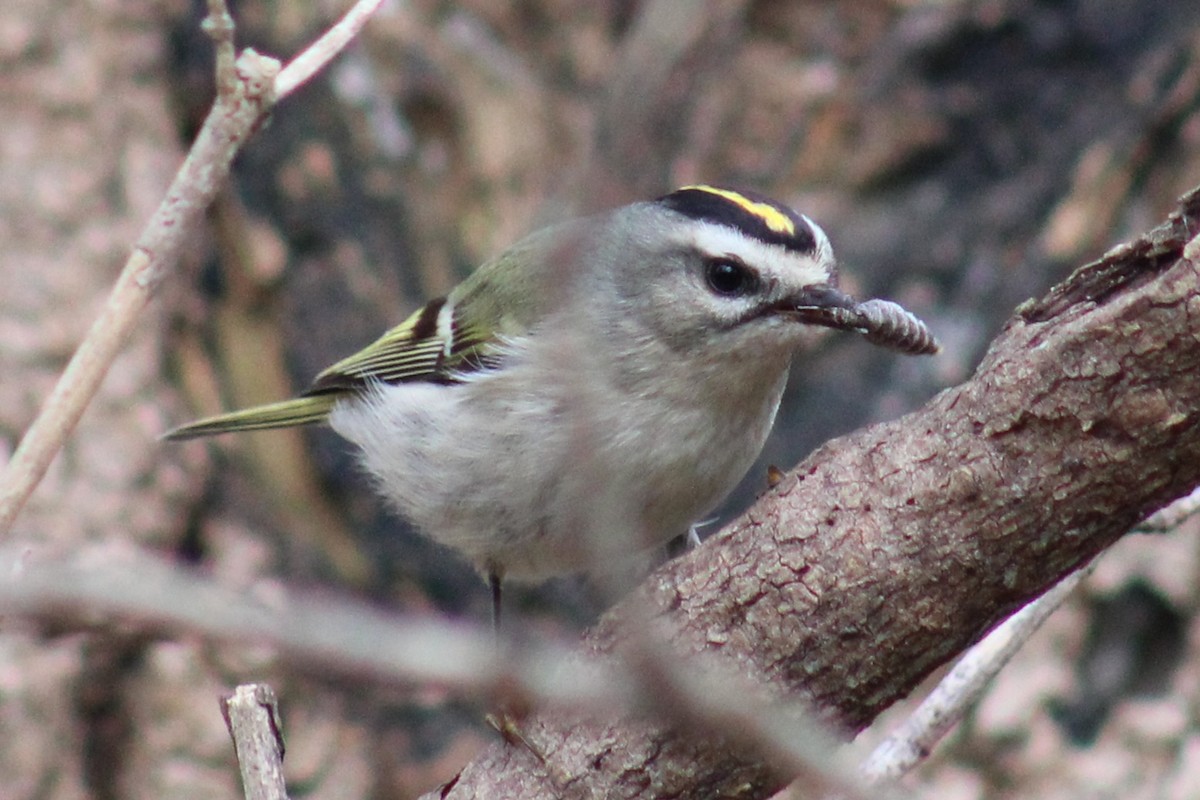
(632, 360)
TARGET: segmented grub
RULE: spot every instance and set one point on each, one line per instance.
(890, 325)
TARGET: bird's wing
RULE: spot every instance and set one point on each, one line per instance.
(500, 302)
(432, 345)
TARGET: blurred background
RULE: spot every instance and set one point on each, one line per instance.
(962, 156)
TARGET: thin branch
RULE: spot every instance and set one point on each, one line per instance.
(946, 705)
(699, 693)
(228, 125)
(247, 90)
(323, 50)
(91, 586)
(220, 28)
(341, 637)
(252, 716)
(1168, 519)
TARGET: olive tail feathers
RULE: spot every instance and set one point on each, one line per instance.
(285, 414)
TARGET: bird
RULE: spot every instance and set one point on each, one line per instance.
(595, 390)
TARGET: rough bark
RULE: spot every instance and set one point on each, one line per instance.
(890, 550)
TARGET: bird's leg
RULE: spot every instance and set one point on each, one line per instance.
(493, 580)
(504, 719)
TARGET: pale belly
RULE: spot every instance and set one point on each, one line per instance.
(535, 484)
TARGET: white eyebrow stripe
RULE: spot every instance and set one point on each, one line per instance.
(824, 248)
(721, 240)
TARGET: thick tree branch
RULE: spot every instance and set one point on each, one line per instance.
(962, 687)
(889, 551)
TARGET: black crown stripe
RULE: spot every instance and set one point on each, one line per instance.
(754, 214)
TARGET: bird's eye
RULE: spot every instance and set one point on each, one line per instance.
(729, 277)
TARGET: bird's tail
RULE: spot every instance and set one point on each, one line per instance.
(285, 414)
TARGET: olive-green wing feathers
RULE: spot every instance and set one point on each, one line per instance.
(428, 346)
(431, 345)
(454, 336)
(285, 414)
(448, 338)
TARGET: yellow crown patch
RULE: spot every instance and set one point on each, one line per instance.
(771, 216)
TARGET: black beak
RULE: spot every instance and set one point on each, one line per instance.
(882, 322)
(826, 306)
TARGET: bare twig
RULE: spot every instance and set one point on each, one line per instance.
(1168, 519)
(247, 90)
(914, 740)
(700, 694)
(252, 715)
(323, 50)
(229, 123)
(220, 28)
(964, 685)
(339, 636)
